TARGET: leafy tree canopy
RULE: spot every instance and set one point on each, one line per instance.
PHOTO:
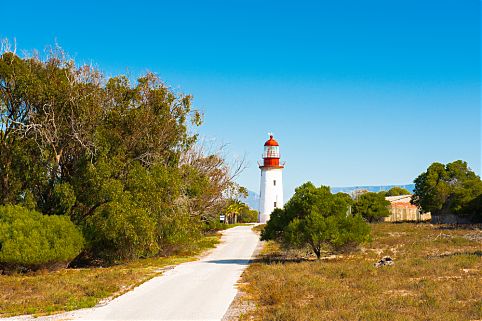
(237, 211)
(397, 191)
(315, 217)
(371, 206)
(119, 158)
(451, 188)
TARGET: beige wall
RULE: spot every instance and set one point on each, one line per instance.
(398, 214)
(402, 210)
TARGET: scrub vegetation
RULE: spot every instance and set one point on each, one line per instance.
(317, 218)
(396, 191)
(113, 159)
(28, 238)
(435, 276)
(450, 189)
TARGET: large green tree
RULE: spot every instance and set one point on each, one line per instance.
(449, 189)
(371, 206)
(119, 158)
(317, 218)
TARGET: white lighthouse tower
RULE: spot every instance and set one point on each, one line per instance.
(271, 192)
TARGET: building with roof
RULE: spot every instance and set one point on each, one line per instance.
(402, 210)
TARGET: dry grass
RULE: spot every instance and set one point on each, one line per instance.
(258, 228)
(436, 276)
(69, 289)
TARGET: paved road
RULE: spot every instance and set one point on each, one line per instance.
(200, 290)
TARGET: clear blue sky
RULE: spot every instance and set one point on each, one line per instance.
(356, 92)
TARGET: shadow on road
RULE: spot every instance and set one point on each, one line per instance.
(264, 260)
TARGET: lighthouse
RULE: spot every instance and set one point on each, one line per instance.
(271, 190)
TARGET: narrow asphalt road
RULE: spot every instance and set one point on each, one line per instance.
(200, 290)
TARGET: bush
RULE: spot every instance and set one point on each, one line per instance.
(449, 189)
(30, 240)
(396, 191)
(177, 230)
(248, 216)
(119, 230)
(334, 233)
(315, 217)
(372, 206)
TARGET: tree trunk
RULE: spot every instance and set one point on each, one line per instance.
(317, 251)
(5, 186)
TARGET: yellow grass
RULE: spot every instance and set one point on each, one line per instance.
(69, 289)
(437, 275)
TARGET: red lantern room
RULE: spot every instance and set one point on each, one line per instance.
(271, 154)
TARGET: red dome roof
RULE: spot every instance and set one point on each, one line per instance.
(271, 142)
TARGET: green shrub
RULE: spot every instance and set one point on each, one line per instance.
(248, 216)
(120, 230)
(214, 225)
(31, 240)
(372, 206)
(334, 233)
(177, 230)
(316, 217)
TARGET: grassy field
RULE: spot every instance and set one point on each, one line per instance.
(69, 289)
(437, 275)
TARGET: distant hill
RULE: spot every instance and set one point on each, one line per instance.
(379, 188)
(253, 198)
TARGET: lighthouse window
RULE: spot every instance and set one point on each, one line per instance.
(274, 182)
(275, 204)
(271, 152)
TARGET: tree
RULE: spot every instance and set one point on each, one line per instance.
(449, 189)
(119, 158)
(346, 197)
(474, 209)
(397, 191)
(305, 198)
(335, 233)
(248, 215)
(371, 206)
(210, 182)
(315, 217)
(234, 209)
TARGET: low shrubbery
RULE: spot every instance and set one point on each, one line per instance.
(248, 216)
(30, 240)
